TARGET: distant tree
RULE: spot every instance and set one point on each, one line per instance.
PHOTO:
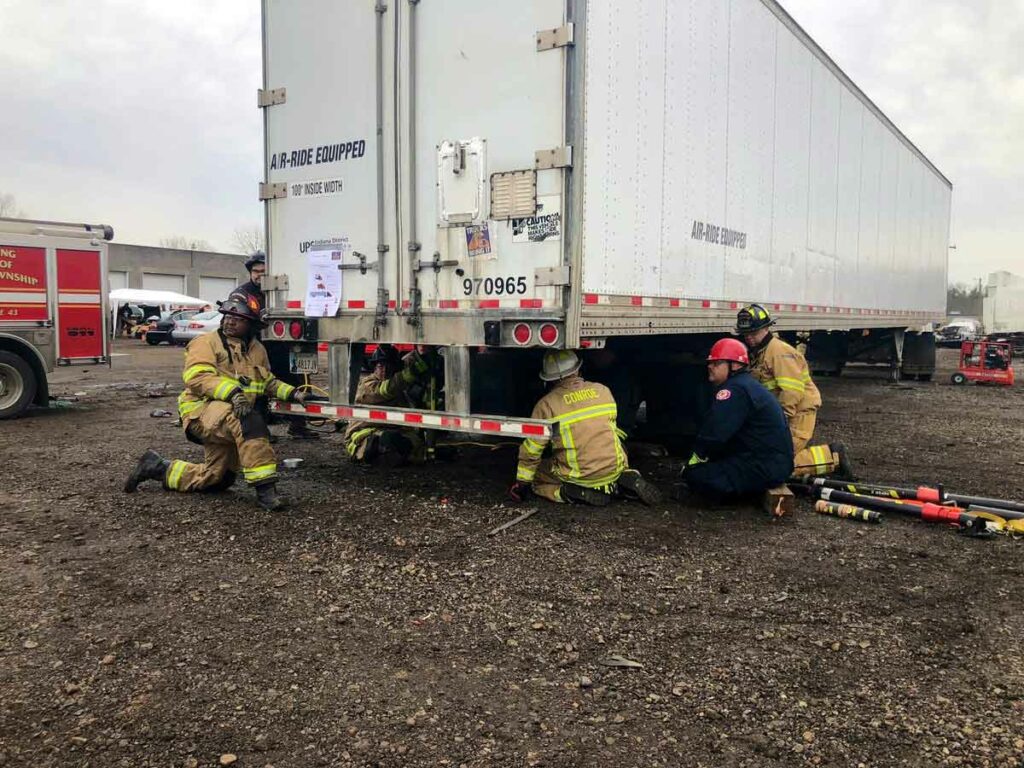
(248, 239)
(9, 207)
(185, 243)
(965, 299)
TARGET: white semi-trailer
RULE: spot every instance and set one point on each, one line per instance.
(497, 178)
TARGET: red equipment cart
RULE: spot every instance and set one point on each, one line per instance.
(989, 362)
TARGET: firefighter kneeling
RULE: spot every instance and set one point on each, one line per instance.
(226, 372)
(390, 381)
(587, 464)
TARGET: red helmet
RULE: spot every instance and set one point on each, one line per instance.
(732, 350)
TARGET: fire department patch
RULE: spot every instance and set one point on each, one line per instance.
(723, 394)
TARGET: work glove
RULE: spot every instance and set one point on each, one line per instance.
(240, 405)
(693, 461)
(415, 363)
(519, 491)
(300, 396)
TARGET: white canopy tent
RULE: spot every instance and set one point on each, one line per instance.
(147, 298)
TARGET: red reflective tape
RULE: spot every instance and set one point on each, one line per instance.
(584, 343)
(314, 409)
(490, 426)
(532, 429)
(405, 303)
(673, 302)
(382, 415)
(705, 304)
(392, 304)
(450, 421)
(293, 304)
(489, 304)
(636, 301)
(778, 307)
(531, 303)
(321, 347)
(448, 304)
(357, 304)
(733, 305)
(590, 298)
(414, 418)
(344, 411)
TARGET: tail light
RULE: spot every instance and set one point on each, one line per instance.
(195, 326)
(295, 329)
(522, 334)
(277, 328)
(548, 334)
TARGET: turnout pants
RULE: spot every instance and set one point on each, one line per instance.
(547, 484)
(813, 459)
(230, 445)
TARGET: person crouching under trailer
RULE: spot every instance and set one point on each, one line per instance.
(743, 447)
(784, 371)
(226, 372)
(390, 381)
(587, 463)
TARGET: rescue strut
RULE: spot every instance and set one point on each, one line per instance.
(847, 511)
(1011, 510)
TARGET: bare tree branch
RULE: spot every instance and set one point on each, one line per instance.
(185, 243)
(9, 207)
(248, 239)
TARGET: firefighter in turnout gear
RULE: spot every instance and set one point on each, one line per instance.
(587, 462)
(743, 446)
(784, 372)
(389, 381)
(226, 372)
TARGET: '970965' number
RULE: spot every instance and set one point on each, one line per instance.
(474, 286)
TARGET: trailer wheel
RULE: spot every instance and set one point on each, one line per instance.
(958, 378)
(17, 385)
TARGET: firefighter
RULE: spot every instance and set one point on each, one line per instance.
(226, 371)
(388, 380)
(784, 372)
(744, 446)
(587, 462)
(252, 294)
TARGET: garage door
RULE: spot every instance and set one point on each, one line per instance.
(117, 280)
(153, 281)
(214, 289)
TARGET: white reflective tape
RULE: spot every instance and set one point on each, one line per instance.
(78, 298)
(23, 298)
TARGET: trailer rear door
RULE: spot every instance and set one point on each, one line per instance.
(320, 62)
(484, 93)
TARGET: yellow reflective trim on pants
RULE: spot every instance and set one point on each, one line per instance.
(525, 474)
(533, 447)
(174, 474)
(194, 370)
(262, 472)
(357, 438)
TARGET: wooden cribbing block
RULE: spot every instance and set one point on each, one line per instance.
(778, 501)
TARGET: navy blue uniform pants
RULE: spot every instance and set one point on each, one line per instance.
(738, 475)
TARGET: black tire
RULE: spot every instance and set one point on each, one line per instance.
(18, 385)
(151, 339)
(958, 378)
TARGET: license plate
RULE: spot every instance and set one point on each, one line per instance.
(303, 362)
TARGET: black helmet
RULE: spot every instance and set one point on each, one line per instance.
(385, 355)
(256, 258)
(239, 308)
(752, 318)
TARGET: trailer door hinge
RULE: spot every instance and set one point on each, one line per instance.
(265, 98)
(273, 191)
(559, 157)
(560, 37)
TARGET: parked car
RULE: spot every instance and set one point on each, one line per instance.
(161, 328)
(188, 328)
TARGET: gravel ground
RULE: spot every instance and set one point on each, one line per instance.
(375, 623)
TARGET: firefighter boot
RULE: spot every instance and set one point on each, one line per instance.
(844, 470)
(267, 498)
(636, 487)
(578, 494)
(151, 466)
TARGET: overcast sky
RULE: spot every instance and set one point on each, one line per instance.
(141, 113)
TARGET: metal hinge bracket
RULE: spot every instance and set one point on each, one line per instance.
(274, 283)
(362, 266)
(560, 37)
(436, 263)
(273, 191)
(551, 276)
(380, 8)
(559, 157)
(265, 98)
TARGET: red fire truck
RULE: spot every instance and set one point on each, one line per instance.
(53, 305)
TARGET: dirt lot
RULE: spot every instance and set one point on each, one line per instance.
(377, 624)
